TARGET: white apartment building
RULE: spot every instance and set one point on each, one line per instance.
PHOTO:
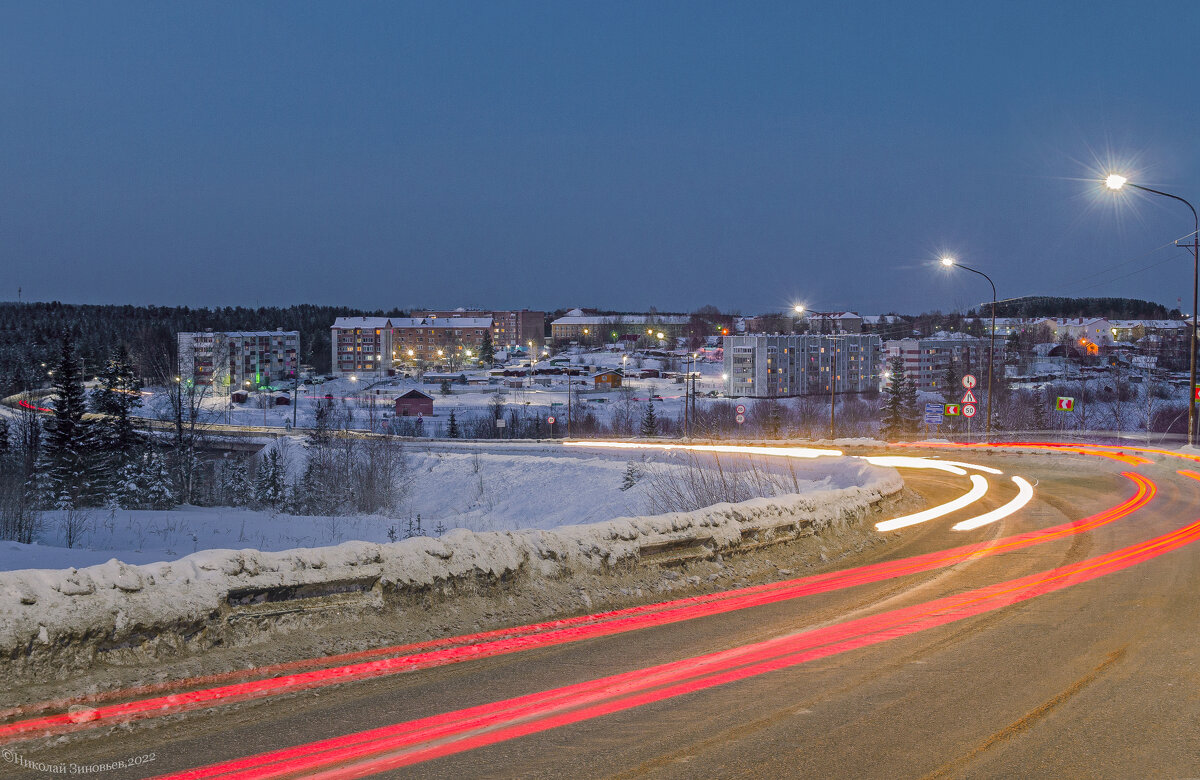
(765, 366)
(926, 359)
(229, 360)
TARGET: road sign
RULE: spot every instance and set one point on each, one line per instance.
(953, 410)
(968, 398)
(1196, 390)
(550, 420)
(740, 409)
(1064, 404)
(741, 418)
(968, 410)
(933, 414)
(969, 381)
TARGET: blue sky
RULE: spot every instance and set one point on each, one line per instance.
(621, 155)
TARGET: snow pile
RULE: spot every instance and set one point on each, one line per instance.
(50, 614)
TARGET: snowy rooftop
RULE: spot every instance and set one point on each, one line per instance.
(622, 319)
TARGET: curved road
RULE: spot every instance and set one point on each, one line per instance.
(1060, 641)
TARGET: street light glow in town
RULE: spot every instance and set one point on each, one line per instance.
(1115, 181)
(947, 261)
(799, 307)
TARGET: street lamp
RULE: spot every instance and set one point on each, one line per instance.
(1116, 182)
(950, 262)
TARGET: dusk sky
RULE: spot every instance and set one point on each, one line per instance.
(616, 155)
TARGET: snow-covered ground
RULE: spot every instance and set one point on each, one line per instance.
(357, 396)
(487, 488)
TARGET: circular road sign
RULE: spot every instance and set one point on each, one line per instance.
(968, 410)
(969, 381)
(741, 418)
(550, 420)
(740, 409)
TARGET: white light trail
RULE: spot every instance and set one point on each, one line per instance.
(910, 462)
(979, 487)
(975, 466)
(1024, 495)
(787, 452)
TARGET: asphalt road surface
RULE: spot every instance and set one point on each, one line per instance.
(1061, 641)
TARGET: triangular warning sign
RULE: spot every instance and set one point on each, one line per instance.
(969, 398)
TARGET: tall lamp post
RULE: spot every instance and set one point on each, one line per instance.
(950, 262)
(1116, 182)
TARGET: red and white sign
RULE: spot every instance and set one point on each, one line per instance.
(740, 409)
(1197, 391)
(968, 398)
(968, 410)
(969, 381)
(550, 420)
(1064, 404)
(741, 418)
(952, 410)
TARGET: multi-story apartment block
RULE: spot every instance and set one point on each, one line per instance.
(578, 326)
(378, 346)
(515, 328)
(234, 359)
(926, 360)
(762, 366)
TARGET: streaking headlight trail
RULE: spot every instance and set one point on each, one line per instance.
(979, 488)
(1024, 495)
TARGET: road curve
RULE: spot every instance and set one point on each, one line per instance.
(1057, 641)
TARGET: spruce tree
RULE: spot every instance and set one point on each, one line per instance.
(116, 398)
(487, 350)
(68, 468)
(270, 486)
(632, 475)
(649, 420)
(452, 426)
(897, 393)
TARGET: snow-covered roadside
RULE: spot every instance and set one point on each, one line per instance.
(70, 616)
(493, 487)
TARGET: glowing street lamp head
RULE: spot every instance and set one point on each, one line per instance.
(799, 307)
(948, 261)
(1115, 181)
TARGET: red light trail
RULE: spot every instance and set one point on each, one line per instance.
(407, 658)
(412, 742)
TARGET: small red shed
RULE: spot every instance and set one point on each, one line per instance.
(414, 403)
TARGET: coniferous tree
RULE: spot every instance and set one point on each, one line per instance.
(117, 398)
(1040, 406)
(270, 485)
(487, 350)
(899, 395)
(68, 467)
(452, 426)
(632, 475)
(649, 420)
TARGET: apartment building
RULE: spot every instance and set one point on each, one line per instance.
(379, 346)
(229, 360)
(773, 366)
(512, 328)
(926, 359)
(596, 328)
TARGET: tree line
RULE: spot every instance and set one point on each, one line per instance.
(30, 333)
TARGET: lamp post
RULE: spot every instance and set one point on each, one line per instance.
(950, 262)
(1116, 182)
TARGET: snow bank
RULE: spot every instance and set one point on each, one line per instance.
(75, 616)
